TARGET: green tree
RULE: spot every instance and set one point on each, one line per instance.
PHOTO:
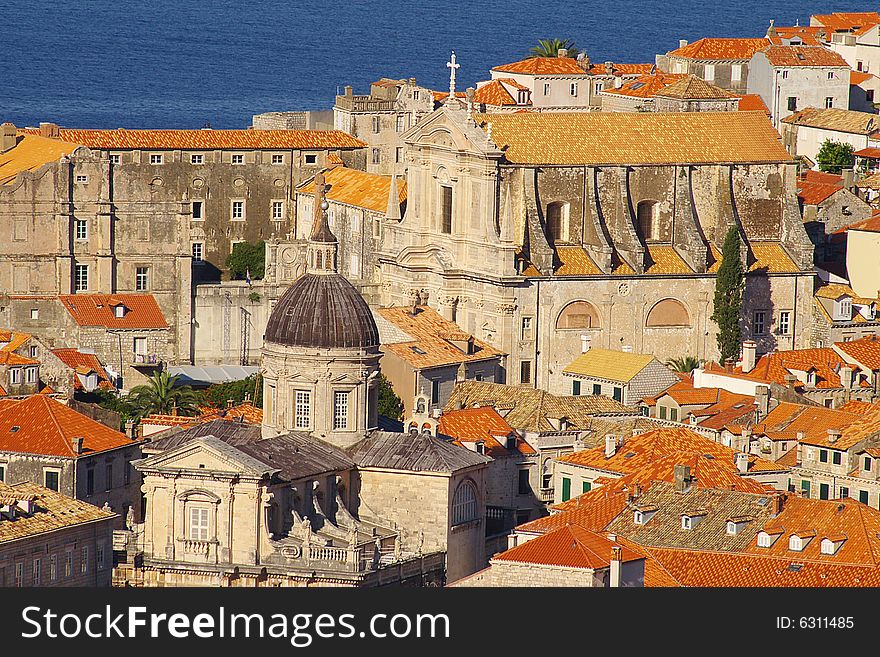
(551, 48)
(834, 156)
(729, 285)
(390, 405)
(159, 395)
(686, 364)
(218, 394)
(247, 257)
(111, 401)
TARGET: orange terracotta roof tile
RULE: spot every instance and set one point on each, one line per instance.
(635, 137)
(772, 257)
(846, 21)
(775, 366)
(48, 427)
(712, 49)
(643, 449)
(871, 225)
(811, 193)
(808, 35)
(575, 261)
(664, 259)
(244, 412)
(859, 407)
(357, 188)
(690, 87)
(832, 118)
(496, 93)
(76, 359)
(570, 546)
(30, 153)
(619, 70)
(646, 86)
(793, 56)
(865, 351)
(543, 66)
(753, 103)
(97, 310)
(12, 358)
(485, 424)
(124, 139)
(866, 426)
(858, 77)
(432, 342)
(787, 421)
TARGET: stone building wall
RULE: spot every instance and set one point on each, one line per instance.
(57, 547)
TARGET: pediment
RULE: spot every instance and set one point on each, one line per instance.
(209, 454)
(451, 128)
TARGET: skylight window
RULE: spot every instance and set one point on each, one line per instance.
(421, 352)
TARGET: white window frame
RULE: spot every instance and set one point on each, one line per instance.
(314, 157)
(200, 247)
(709, 72)
(302, 409)
(237, 204)
(84, 560)
(81, 230)
(736, 72)
(465, 505)
(35, 314)
(201, 205)
(81, 179)
(341, 409)
(196, 158)
(784, 322)
(115, 158)
(14, 375)
(279, 206)
(573, 89)
(80, 278)
(276, 158)
(759, 326)
(546, 88)
(30, 375)
(141, 279)
(47, 471)
(198, 523)
(156, 159)
(236, 158)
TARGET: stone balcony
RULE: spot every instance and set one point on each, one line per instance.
(364, 104)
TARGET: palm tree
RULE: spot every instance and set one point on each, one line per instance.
(686, 364)
(551, 48)
(159, 395)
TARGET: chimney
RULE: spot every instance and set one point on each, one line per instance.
(682, 43)
(776, 504)
(749, 347)
(348, 90)
(728, 365)
(742, 462)
(833, 435)
(682, 478)
(616, 562)
(562, 52)
(129, 429)
(790, 380)
(609, 68)
(77, 445)
(849, 178)
(585, 343)
(610, 445)
(762, 399)
(8, 137)
(49, 130)
(846, 377)
(229, 404)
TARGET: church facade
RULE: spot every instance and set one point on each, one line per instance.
(541, 229)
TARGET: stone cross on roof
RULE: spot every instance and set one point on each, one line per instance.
(452, 66)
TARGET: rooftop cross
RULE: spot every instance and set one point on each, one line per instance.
(452, 66)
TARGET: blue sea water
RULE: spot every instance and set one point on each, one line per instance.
(182, 64)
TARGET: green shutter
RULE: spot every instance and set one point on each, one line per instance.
(576, 388)
(805, 487)
(587, 486)
(863, 496)
(823, 491)
(566, 489)
(597, 388)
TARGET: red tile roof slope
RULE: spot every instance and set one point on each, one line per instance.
(864, 350)
(123, 139)
(720, 49)
(570, 546)
(484, 423)
(97, 310)
(543, 66)
(791, 56)
(48, 427)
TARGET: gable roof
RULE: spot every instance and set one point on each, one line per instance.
(635, 137)
(532, 409)
(97, 310)
(416, 452)
(846, 21)
(775, 366)
(83, 364)
(794, 56)
(357, 188)
(485, 424)
(208, 139)
(570, 546)
(610, 365)
(543, 66)
(30, 153)
(47, 427)
(753, 103)
(53, 511)
(832, 118)
(712, 49)
(690, 87)
(646, 86)
(814, 193)
(638, 451)
(495, 92)
(865, 351)
(293, 455)
(427, 339)
(787, 420)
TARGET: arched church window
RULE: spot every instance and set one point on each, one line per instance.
(464, 503)
(668, 312)
(648, 213)
(557, 222)
(578, 315)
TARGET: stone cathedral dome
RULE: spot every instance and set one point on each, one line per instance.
(321, 308)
